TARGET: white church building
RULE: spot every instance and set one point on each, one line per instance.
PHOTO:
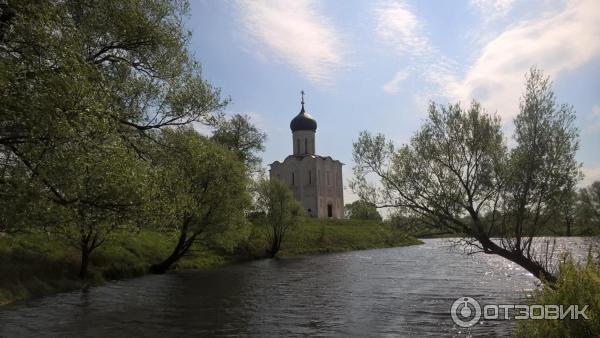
(315, 180)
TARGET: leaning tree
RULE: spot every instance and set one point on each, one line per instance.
(458, 173)
(201, 192)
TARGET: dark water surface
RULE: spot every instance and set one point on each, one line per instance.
(387, 292)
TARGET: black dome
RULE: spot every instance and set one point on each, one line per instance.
(303, 121)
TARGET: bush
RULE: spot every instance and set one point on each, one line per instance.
(576, 285)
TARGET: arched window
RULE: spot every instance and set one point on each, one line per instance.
(297, 146)
(305, 145)
(293, 179)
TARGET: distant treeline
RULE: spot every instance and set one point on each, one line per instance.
(580, 217)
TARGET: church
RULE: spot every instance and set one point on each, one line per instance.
(316, 181)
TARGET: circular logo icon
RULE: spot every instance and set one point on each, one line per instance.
(465, 311)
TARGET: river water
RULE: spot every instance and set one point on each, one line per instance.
(393, 292)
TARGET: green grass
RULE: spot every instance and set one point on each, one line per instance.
(314, 236)
(577, 285)
(37, 264)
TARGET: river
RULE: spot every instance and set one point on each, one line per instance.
(405, 291)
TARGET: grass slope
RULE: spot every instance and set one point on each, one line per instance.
(335, 235)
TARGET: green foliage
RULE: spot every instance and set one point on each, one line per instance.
(541, 171)
(198, 182)
(362, 210)
(203, 192)
(280, 209)
(80, 99)
(588, 211)
(457, 174)
(576, 285)
(239, 135)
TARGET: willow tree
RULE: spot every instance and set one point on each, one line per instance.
(200, 189)
(239, 135)
(101, 188)
(457, 173)
(81, 83)
(280, 209)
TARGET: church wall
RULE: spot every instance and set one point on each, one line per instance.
(295, 172)
(331, 190)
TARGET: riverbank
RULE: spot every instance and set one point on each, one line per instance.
(38, 264)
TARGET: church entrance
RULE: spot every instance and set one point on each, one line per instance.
(329, 210)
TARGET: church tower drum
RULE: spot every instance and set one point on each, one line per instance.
(303, 128)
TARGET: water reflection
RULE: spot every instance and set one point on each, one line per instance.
(389, 292)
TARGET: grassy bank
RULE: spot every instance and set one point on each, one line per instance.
(578, 284)
(331, 235)
(32, 265)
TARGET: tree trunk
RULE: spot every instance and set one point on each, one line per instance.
(516, 257)
(182, 247)
(275, 245)
(85, 255)
(272, 251)
(163, 266)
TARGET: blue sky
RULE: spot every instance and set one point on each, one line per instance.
(374, 65)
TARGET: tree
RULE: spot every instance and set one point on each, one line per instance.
(457, 173)
(52, 51)
(566, 212)
(362, 210)
(100, 188)
(78, 93)
(239, 135)
(280, 208)
(66, 77)
(589, 205)
(201, 189)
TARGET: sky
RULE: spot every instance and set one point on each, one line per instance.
(375, 65)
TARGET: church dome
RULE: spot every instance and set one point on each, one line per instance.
(303, 121)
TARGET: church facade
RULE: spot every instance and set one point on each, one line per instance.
(316, 181)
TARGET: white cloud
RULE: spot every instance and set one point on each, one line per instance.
(295, 32)
(402, 31)
(392, 87)
(594, 124)
(399, 27)
(202, 128)
(557, 43)
(591, 173)
(492, 9)
(258, 120)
